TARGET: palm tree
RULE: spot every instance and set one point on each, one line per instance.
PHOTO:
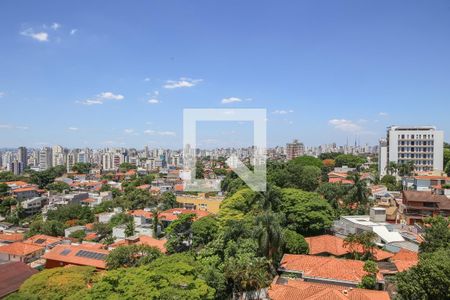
(268, 234)
(155, 222)
(392, 168)
(359, 192)
(129, 229)
(350, 242)
(367, 241)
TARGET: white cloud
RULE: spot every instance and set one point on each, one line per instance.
(73, 128)
(101, 98)
(181, 83)
(147, 79)
(153, 101)
(38, 36)
(161, 133)
(231, 100)
(2, 94)
(282, 112)
(383, 114)
(55, 26)
(73, 31)
(9, 126)
(345, 125)
(130, 131)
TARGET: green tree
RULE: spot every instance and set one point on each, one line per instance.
(179, 234)
(429, 280)
(79, 234)
(82, 214)
(392, 168)
(204, 231)
(168, 277)
(306, 213)
(369, 281)
(4, 189)
(268, 234)
(168, 200)
(50, 227)
(447, 168)
(82, 168)
(129, 228)
(294, 243)
(359, 193)
(333, 192)
(307, 161)
(352, 161)
(437, 235)
(124, 167)
(57, 283)
(58, 186)
(131, 256)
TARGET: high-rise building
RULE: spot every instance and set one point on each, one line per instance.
(58, 156)
(421, 145)
(22, 157)
(45, 158)
(294, 149)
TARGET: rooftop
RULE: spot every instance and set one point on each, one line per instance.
(12, 275)
(289, 289)
(335, 246)
(78, 255)
(20, 248)
(405, 259)
(326, 268)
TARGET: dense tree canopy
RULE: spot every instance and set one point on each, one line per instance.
(306, 213)
(168, 277)
(429, 280)
(57, 283)
(352, 161)
(131, 256)
(437, 235)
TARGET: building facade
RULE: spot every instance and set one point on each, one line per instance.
(421, 145)
(294, 149)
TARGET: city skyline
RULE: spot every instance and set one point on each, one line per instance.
(78, 77)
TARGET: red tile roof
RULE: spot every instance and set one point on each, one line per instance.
(11, 237)
(327, 268)
(335, 246)
(141, 213)
(298, 289)
(173, 213)
(20, 249)
(43, 240)
(152, 242)
(25, 189)
(12, 275)
(405, 259)
(68, 255)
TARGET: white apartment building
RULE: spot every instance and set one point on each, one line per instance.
(423, 145)
(45, 158)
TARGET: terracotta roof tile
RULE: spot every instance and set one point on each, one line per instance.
(334, 245)
(298, 289)
(325, 267)
(405, 259)
(11, 237)
(43, 240)
(68, 255)
(20, 248)
(12, 275)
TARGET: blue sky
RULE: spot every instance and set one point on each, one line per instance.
(119, 73)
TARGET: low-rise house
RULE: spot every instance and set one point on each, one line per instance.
(425, 183)
(418, 205)
(142, 240)
(20, 251)
(405, 259)
(329, 245)
(200, 202)
(33, 205)
(291, 289)
(12, 275)
(105, 217)
(376, 222)
(43, 240)
(79, 255)
(8, 238)
(26, 192)
(328, 270)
